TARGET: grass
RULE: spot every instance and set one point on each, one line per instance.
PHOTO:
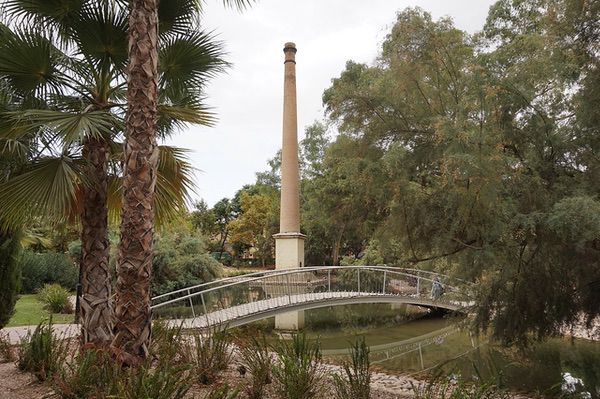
(30, 311)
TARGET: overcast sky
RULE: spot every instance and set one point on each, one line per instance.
(248, 99)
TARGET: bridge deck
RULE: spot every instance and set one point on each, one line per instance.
(253, 311)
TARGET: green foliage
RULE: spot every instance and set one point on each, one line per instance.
(159, 382)
(10, 274)
(55, 298)
(355, 382)
(209, 353)
(41, 352)
(167, 342)
(223, 392)
(257, 361)
(344, 201)
(39, 269)
(474, 155)
(298, 372)
(88, 375)
(257, 221)
(82, 64)
(181, 260)
(94, 372)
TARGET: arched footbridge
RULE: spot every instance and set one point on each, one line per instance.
(244, 299)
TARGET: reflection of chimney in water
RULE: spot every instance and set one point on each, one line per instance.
(290, 175)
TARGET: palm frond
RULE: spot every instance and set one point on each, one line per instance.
(47, 189)
(186, 62)
(177, 17)
(101, 35)
(174, 184)
(240, 5)
(30, 63)
(32, 238)
(14, 149)
(56, 16)
(174, 116)
(71, 126)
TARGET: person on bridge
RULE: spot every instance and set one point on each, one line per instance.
(437, 289)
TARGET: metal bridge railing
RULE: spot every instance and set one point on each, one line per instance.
(235, 297)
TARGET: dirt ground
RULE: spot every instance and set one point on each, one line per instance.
(18, 385)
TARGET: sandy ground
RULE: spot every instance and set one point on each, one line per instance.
(17, 385)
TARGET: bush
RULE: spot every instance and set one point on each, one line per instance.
(223, 392)
(41, 353)
(163, 381)
(10, 248)
(55, 299)
(7, 353)
(209, 354)
(88, 375)
(93, 373)
(355, 382)
(167, 343)
(256, 360)
(39, 269)
(299, 371)
(181, 260)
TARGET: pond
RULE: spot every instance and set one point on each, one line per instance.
(409, 340)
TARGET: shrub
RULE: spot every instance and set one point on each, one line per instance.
(47, 268)
(41, 352)
(256, 360)
(180, 260)
(9, 274)
(355, 382)
(88, 375)
(209, 354)
(55, 299)
(164, 381)
(223, 392)
(167, 343)
(299, 372)
(7, 353)
(93, 373)
(458, 389)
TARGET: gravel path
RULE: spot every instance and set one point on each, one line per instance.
(16, 333)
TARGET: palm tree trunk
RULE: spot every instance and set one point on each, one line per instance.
(134, 268)
(96, 307)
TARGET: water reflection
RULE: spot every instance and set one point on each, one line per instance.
(541, 369)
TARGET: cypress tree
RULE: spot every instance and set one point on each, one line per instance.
(10, 274)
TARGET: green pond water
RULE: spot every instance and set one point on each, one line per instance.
(444, 349)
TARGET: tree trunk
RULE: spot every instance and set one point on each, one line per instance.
(96, 306)
(132, 310)
(223, 245)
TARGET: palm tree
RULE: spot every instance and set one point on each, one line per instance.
(133, 328)
(70, 77)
